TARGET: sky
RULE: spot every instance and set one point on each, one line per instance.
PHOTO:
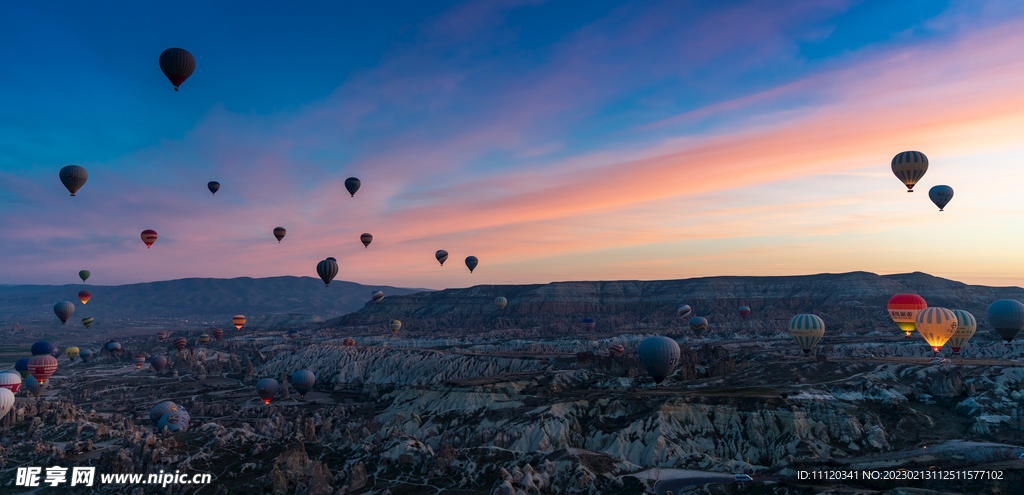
(553, 140)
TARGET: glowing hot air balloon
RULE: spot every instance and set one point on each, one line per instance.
(471, 263)
(352, 184)
(327, 269)
(966, 325)
(909, 167)
(500, 302)
(807, 331)
(41, 367)
(139, 360)
(279, 233)
(177, 64)
(160, 336)
(903, 309)
(34, 387)
(395, 326)
(441, 256)
(366, 239)
(84, 296)
(377, 296)
(699, 325)
(84, 274)
(940, 195)
(1007, 317)
(238, 321)
(148, 237)
(73, 177)
(64, 310)
(659, 355)
(303, 381)
(267, 388)
(685, 311)
(936, 325)
(213, 186)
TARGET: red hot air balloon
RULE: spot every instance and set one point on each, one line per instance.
(84, 296)
(177, 64)
(744, 311)
(139, 360)
(279, 233)
(149, 237)
(349, 342)
(42, 367)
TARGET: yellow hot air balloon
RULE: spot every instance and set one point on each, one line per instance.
(807, 331)
(936, 325)
(966, 325)
(395, 326)
(72, 352)
(238, 320)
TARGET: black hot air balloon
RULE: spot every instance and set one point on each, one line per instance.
(279, 233)
(471, 263)
(177, 64)
(352, 184)
(73, 177)
(213, 186)
(327, 269)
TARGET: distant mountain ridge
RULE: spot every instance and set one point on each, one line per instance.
(198, 300)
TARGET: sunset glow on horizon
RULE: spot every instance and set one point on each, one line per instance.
(553, 141)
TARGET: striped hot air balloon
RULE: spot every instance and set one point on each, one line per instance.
(699, 325)
(87, 321)
(279, 233)
(807, 331)
(616, 350)
(177, 64)
(84, 296)
(936, 325)
(327, 270)
(500, 302)
(180, 343)
(903, 309)
(73, 177)
(366, 239)
(349, 342)
(441, 256)
(160, 336)
(64, 310)
(216, 333)
(41, 367)
(684, 311)
(204, 339)
(148, 237)
(909, 167)
(139, 360)
(6, 401)
(303, 381)
(267, 389)
(377, 296)
(744, 311)
(966, 325)
(395, 326)
(11, 380)
(238, 320)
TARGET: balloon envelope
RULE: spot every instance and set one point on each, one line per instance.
(139, 360)
(87, 321)
(500, 302)
(267, 389)
(807, 331)
(148, 237)
(73, 177)
(699, 325)
(113, 346)
(72, 352)
(441, 256)
(327, 270)
(366, 239)
(10, 380)
(84, 274)
(84, 296)
(6, 401)
(213, 186)
(204, 339)
(217, 333)
(471, 263)
(966, 325)
(616, 350)
(349, 341)
(42, 348)
(85, 354)
(303, 381)
(659, 355)
(684, 311)
(279, 233)
(395, 326)
(293, 333)
(909, 167)
(64, 310)
(177, 64)
(1007, 317)
(34, 387)
(158, 363)
(238, 321)
(589, 324)
(377, 296)
(903, 309)
(744, 311)
(352, 185)
(936, 325)
(162, 408)
(175, 422)
(41, 367)
(180, 343)
(21, 366)
(160, 336)
(940, 195)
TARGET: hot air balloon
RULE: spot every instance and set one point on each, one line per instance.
(84, 274)
(940, 195)
(377, 296)
(1007, 317)
(6, 401)
(303, 381)
(21, 366)
(238, 320)
(279, 233)
(73, 177)
(216, 333)
(177, 64)
(471, 263)
(158, 363)
(64, 310)
(589, 324)
(352, 184)
(84, 296)
(85, 354)
(175, 422)
(114, 346)
(903, 309)
(395, 326)
(366, 239)
(349, 342)
(500, 303)
(909, 167)
(34, 387)
(72, 352)
(213, 186)
(139, 360)
(327, 269)
(180, 343)
(148, 237)
(744, 311)
(204, 339)
(441, 256)
(699, 325)
(936, 325)
(807, 331)
(56, 353)
(10, 380)
(684, 311)
(42, 367)
(616, 350)
(161, 409)
(160, 336)
(966, 325)
(267, 388)
(87, 321)
(293, 334)
(659, 355)
(42, 348)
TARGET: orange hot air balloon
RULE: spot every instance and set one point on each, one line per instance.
(217, 333)
(238, 320)
(349, 342)
(937, 326)
(149, 237)
(84, 296)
